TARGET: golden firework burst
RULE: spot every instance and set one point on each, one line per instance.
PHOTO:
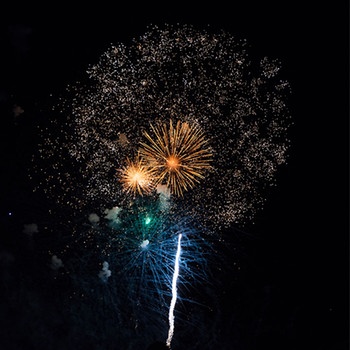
(178, 154)
(136, 177)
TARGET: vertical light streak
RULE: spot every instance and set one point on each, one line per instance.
(174, 292)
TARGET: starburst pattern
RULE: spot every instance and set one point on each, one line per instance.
(136, 177)
(179, 154)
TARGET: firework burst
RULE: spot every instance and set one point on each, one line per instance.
(137, 177)
(217, 160)
(179, 154)
(208, 83)
(127, 258)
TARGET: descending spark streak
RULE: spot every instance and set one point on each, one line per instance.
(174, 293)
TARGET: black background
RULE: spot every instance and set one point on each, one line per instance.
(297, 260)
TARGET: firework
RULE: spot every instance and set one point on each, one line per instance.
(142, 248)
(128, 258)
(178, 154)
(210, 167)
(201, 79)
(137, 177)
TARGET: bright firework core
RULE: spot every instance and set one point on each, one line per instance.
(136, 177)
(173, 163)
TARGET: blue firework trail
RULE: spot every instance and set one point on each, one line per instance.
(133, 249)
(143, 249)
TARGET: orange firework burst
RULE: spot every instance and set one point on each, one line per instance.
(136, 177)
(179, 155)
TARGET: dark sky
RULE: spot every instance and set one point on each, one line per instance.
(301, 255)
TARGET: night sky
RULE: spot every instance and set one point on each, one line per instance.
(291, 291)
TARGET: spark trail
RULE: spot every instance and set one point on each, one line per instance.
(174, 292)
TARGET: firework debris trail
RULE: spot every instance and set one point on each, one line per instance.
(174, 293)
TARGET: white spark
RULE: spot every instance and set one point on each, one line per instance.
(174, 293)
